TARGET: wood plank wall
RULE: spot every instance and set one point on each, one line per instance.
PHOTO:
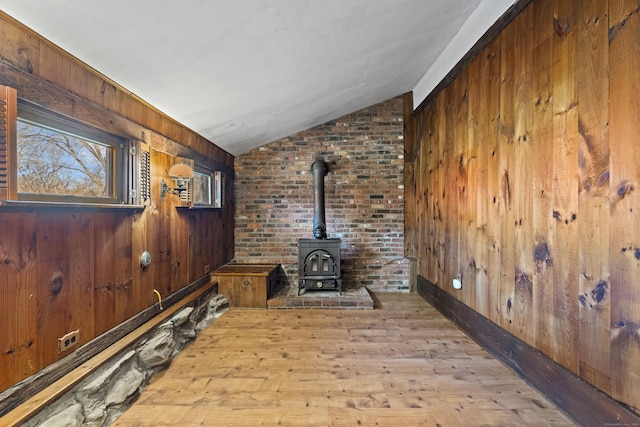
(75, 268)
(523, 176)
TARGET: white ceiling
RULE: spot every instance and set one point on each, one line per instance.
(243, 73)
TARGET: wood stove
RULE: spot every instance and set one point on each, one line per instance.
(319, 257)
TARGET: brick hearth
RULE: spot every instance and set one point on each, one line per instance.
(287, 297)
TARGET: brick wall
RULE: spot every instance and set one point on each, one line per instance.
(363, 197)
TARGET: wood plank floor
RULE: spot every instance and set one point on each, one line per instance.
(402, 364)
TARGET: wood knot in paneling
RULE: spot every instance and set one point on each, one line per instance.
(542, 255)
(625, 330)
(595, 297)
(56, 283)
(624, 189)
(562, 27)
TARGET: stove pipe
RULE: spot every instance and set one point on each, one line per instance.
(319, 169)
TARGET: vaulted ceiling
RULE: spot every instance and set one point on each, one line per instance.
(243, 73)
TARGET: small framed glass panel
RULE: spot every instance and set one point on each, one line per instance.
(201, 189)
(61, 159)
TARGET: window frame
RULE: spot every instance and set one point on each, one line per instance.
(28, 112)
(216, 188)
(209, 176)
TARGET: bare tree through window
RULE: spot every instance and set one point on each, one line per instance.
(57, 163)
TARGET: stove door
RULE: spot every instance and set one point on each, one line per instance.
(320, 263)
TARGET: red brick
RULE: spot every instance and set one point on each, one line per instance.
(274, 197)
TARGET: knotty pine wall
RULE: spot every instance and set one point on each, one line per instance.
(92, 252)
(523, 178)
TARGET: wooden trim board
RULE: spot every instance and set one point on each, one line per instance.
(54, 391)
(83, 359)
(582, 402)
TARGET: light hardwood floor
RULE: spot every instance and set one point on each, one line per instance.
(400, 365)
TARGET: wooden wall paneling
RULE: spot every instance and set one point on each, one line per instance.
(159, 269)
(463, 144)
(506, 155)
(441, 192)
(542, 174)
(523, 307)
(424, 171)
(420, 211)
(19, 49)
(494, 179)
(208, 247)
(411, 218)
(18, 298)
(95, 258)
(479, 94)
(81, 280)
(105, 272)
(220, 250)
(142, 240)
(624, 42)
(565, 186)
(426, 177)
(213, 252)
(55, 68)
(160, 222)
(227, 245)
(428, 173)
(65, 102)
(593, 194)
(81, 80)
(197, 231)
(569, 91)
(221, 241)
(53, 281)
(450, 189)
(180, 250)
(124, 301)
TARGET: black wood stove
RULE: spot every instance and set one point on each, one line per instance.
(319, 257)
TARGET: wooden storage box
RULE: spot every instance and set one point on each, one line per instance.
(246, 285)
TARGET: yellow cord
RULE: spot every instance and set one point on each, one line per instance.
(159, 298)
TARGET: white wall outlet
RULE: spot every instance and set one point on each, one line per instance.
(457, 284)
(68, 341)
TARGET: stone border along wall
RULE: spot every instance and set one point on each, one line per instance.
(107, 393)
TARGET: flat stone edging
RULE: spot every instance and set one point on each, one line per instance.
(104, 395)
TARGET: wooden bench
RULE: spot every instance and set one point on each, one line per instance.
(246, 285)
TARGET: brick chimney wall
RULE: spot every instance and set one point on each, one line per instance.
(363, 197)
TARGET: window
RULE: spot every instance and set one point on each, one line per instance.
(207, 188)
(61, 159)
(201, 189)
(219, 183)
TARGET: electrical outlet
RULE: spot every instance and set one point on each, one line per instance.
(68, 340)
(207, 269)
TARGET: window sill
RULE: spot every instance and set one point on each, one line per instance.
(197, 207)
(67, 205)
